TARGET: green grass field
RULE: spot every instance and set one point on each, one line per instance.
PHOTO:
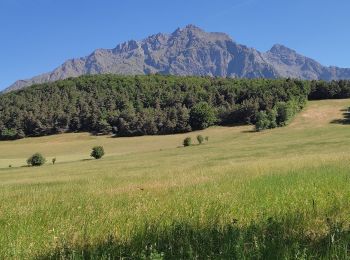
(277, 194)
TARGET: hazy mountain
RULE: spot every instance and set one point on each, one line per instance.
(192, 51)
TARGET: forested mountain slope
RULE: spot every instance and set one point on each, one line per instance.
(147, 105)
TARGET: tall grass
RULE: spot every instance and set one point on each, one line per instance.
(281, 194)
(297, 208)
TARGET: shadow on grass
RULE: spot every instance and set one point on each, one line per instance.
(272, 239)
(346, 118)
(249, 131)
(87, 159)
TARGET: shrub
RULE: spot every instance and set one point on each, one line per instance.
(200, 139)
(207, 138)
(53, 161)
(187, 141)
(272, 115)
(262, 121)
(11, 134)
(97, 152)
(202, 116)
(266, 120)
(286, 111)
(36, 159)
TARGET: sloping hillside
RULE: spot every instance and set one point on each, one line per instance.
(286, 188)
(233, 142)
(321, 113)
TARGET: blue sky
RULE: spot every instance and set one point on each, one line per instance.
(39, 35)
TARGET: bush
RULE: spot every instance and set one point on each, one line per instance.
(272, 115)
(207, 138)
(262, 121)
(53, 161)
(266, 120)
(36, 159)
(187, 141)
(202, 116)
(286, 111)
(97, 152)
(200, 139)
(11, 134)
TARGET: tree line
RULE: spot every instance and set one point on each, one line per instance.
(329, 90)
(154, 104)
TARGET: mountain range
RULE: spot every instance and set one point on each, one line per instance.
(191, 51)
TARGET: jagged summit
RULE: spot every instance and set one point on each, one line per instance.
(191, 51)
(279, 49)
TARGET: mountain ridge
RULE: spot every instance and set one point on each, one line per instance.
(191, 51)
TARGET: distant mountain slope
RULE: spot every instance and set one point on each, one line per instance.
(191, 51)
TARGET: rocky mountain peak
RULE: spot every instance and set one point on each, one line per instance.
(193, 32)
(191, 51)
(281, 49)
(127, 46)
(188, 29)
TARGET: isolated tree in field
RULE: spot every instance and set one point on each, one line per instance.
(97, 152)
(200, 139)
(53, 161)
(187, 141)
(202, 116)
(36, 159)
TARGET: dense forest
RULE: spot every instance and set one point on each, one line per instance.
(155, 104)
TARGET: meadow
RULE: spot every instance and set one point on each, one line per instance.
(277, 194)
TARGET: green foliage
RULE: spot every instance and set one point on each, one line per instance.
(202, 116)
(11, 134)
(266, 120)
(103, 127)
(246, 112)
(207, 138)
(97, 152)
(280, 115)
(329, 90)
(36, 159)
(271, 115)
(200, 139)
(286, 111)
(187, 141)
(141, 105)
(262, 121)
(53, 161)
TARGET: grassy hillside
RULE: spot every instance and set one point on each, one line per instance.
(273, 194)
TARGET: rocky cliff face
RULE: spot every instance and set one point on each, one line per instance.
(191, 51)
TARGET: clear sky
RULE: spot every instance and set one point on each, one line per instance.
(39, 35)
